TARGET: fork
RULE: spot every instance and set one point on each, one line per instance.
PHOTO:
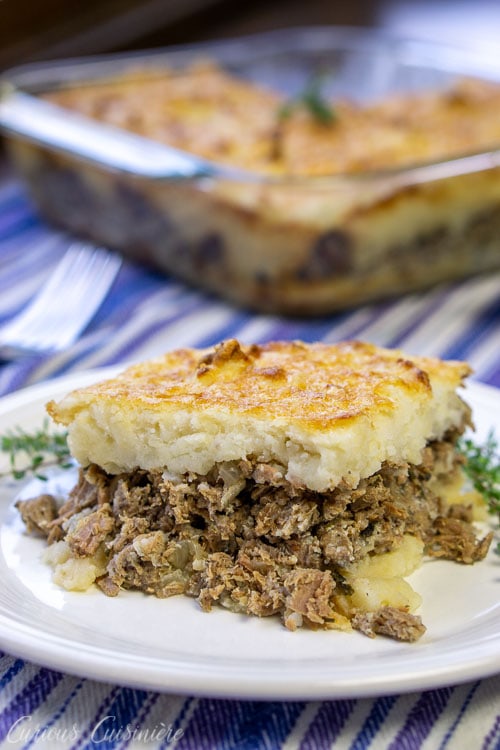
(64, 305)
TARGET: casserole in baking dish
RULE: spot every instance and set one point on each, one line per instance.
(301, 172)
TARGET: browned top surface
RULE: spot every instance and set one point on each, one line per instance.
(206, 111)
(310, 385)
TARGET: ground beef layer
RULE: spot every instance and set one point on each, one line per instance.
(244, 537)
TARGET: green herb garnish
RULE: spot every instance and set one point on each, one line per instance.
(312, 100)
(482, 466)
(35, 450)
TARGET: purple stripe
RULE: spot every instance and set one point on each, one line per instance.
(22, 225)
(421, 719)
(125, 352)
(101, 712)
(29, 239)
(28, 700)
(44, 730)
(17, 373)
(228, 331)
(225, 725)
(15, 202)
(459, 716)
(492, 376)
(11, 672)
(30, 235)
(302, 329)
(375, 313)
(13, 210)
(34, 245)
(137, 290)
(373, 722)
(434, 303)
(115, 727)
(133, 286)
(177, 724)
(493, 736)
(327, 725)
(136, 725)
(15, 275)
(306, 329)
(485, 325)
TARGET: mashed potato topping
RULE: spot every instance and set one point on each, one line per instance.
(322, 414)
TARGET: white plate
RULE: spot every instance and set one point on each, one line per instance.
(170, 645)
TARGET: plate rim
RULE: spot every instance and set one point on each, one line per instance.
(219, 678)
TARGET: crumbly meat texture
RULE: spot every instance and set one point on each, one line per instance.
(38, 513)
(391, 622)
(321, 414)
(247, 539)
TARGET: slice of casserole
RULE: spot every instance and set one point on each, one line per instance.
(305, 480)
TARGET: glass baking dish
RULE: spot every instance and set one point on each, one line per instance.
(277, 243)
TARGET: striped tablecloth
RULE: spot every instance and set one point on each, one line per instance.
(144, 315)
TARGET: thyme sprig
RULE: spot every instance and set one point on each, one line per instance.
(34, 450)
(312, 100)
(482, 466)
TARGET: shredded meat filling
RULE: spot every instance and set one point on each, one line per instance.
(390, 621)
(244, 537)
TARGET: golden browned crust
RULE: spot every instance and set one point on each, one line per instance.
(315, 385)
(207, 111)
(321, 414)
